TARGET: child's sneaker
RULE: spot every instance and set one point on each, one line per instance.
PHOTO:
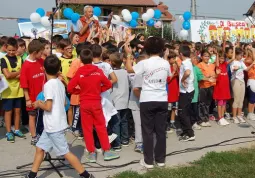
(91, 176)
(10, 137)
(110, 155)
(139, 148)
(125, 143)
(19, 134)
(27, 176)
(91, 157)
(169, 129)
(203, 124)
(116, 148)
(227, 116)
(236, 121)
(212, 118)
(142, 162)
(196, 127)
(35, 140)
(241, 119)
(222, 122)
(251, 116)
(186, 138)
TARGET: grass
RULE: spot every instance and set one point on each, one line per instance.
(234, 164)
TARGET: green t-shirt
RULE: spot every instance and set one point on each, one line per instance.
(198, 76)
(24, 56)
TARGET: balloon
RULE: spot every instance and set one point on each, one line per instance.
(95, 17)
(45, 21)
(187, 15)
(133, 23)
(75, 17)
(135, 15)
(157, 14)
(35, 17)
(150, 23)
(116, 19)
(68, 12)
(127, 17)
(145, 17)
(124, 12)
(97, 11)
(158, 24)
(186, 25)
(151, 13)
(40, 11)
(181, 18)
(184, 33)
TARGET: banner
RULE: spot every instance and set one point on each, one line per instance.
(211, 30)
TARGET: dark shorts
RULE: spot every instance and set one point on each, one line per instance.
(10, 104)
(251, 95)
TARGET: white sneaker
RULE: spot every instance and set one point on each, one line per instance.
(112, 137)
(146, 165)
(208, 124)
(227, 116)
(236, 121)
(240, 118)
(196, 127)
(161, 164)
(203, 124)
(251, 116)
(225, 121)
(221, 122)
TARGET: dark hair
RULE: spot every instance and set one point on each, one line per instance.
(44, 41)
(12, 42)
(86, 56)
(139, 36)
(80, 47)
(221, 53)
(56, 39)
(52, 65)
(199, 46)
(64, 43)
(3, 40)
(106, 55)
(116, 59)
(96, 40)
(96, 50)
(72, 34)
(154, 45)
(141, 57)
(239, 51)
(171, 54)
(204, 52)
(21, 42)
(228, 49)
(185, 51)
(26, 37)
(35, 46)
(134, 43)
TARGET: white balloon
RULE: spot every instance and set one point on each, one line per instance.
(45, 21)
(125, 12)
(145, 17)
(181, 18)
(127, 17)
(158, 24)
(95, 17)
(151, 13)
(116, 19)
(184, 33)
(35, 17)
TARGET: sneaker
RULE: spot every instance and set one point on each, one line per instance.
(90, 176)
(139, 149)
(142, 162)
(161, 164)
(99, 150)
(169, 129)
(196, 127)
(225, 121)
(35, 140)
(236, 121)
(251, 116)
(10, 137)
(179, 132)
(222, 123)
(116, 148)
(240, 118)
(19, 134)
(203, 124)
(110, 155)
(112, 137)
(186, 138)
(172, 126)
(27, 176)
(212, 118)
(208, 124)
(227, 116)
(91, 157)
(125, 143)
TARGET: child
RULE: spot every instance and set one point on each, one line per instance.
(221, 91)
(120, 97)
(12, 96)
(22, 49)
(173, 90)
(237, 68)
(47, 49)
(54, 120)
(55, 44)
(91, 81)
(3, 42)
(32, 79)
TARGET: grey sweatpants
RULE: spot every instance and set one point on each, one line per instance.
(138, 127)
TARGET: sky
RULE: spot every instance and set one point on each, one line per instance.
(218, 8)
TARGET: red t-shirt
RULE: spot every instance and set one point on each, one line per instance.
(32, 77)
(173, 89)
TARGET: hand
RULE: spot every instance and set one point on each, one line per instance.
(212, 79)
(91, 19)
(29, 104)
(36, 104)
(166, 53)
(131, 38)
(128, 49)
(218, 71)
(185, 84)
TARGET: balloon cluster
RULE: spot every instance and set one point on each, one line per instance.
(186, 24)
(71, 15)
(39, 16)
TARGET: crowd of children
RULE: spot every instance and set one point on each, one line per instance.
(113, 87)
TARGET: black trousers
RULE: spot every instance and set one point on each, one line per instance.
(153, 120)
(24, 114)
(205, 101)
(185, 113)
(194, 116)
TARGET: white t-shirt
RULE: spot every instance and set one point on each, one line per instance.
(134, 101)
(186, 65)
(55, 120)
(238, 74)
(155, 71)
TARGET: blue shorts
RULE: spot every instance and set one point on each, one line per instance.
(54, 141)
(10, 104)
(251, 95)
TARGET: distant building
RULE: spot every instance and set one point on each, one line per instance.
(251, 10)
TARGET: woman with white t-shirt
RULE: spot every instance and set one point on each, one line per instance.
(238, 85)
(153, 100)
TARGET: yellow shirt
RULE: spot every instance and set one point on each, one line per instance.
(65, 65)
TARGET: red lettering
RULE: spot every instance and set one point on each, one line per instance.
(221, 23)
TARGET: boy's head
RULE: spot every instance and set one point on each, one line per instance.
(35, 48)
(239, 54)
(154, 46)
(11, 47)
(171, 57)
(184, 52)
(66, 46)
(141, 57)
(21, 47)
(229, 52)
(52, 65)
(116, 60)
(86, 56)
(47, 46)
(80, 47)
(55, 41)
(75, 38)
(3, 42)
(194, 58)
(96, 50)
(106, 56)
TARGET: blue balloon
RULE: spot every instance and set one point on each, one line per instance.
(40, 11)
(150, 23)
(68, 12)
(97, 11)
(75, 17)
(133, 23)
(186, 25)
(135, 15)
(187, 16)
(157, 14)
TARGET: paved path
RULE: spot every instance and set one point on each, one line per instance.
(21, 152)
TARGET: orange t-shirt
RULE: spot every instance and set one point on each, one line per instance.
(179, 62)
(76, 64)
(208, 70)
(251, 73)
